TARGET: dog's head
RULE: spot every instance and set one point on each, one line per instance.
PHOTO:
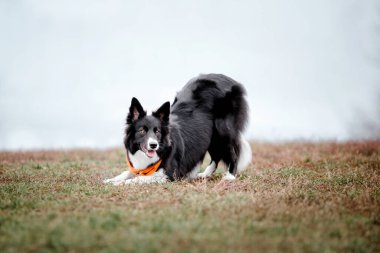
(146, 133)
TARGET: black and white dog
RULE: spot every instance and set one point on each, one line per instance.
(207, 115)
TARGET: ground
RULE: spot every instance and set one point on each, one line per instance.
(295, 197)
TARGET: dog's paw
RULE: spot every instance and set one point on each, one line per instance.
(202, 175)
(130, 181)
(107, 181)
(208, 171)
(228, 177)
(146, 180)
(112, 181)
(120, 179)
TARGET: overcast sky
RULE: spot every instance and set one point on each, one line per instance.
(68, 69)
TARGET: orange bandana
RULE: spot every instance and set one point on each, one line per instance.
(145, 172)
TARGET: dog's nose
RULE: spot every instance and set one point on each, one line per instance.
(152, 144)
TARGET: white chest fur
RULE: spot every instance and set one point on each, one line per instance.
(141, 161)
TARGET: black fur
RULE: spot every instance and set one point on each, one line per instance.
(208, 114)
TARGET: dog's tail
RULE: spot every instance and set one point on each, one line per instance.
(230, 111)
(245, 155)
(240, 108)
(234, 123)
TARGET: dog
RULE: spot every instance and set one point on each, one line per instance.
(209, 114)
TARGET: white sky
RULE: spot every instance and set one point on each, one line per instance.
(68, 69)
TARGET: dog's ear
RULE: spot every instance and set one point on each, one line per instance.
(163, 112)
(136, 111)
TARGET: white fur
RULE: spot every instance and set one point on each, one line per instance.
(245, 157)
(141, 161)
(157, 177)
(193, 174)
(120, 179)
(244, 160)
(152, 141)
(228, 176)
(208, 171)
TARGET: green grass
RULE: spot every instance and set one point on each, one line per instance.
(296, 197)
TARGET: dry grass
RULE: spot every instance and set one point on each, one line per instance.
(297, 197)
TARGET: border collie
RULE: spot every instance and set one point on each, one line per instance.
(208, 115)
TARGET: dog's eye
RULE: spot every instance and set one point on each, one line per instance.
(141, 131)
(157, 131)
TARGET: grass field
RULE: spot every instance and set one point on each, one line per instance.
(296, 197)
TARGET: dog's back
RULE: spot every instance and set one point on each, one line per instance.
(209, 114)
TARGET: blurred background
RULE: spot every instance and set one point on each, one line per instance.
(68, 69)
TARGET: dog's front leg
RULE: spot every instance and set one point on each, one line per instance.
(157, 177)
(120, 178)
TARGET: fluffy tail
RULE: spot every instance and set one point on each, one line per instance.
(245, 156)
